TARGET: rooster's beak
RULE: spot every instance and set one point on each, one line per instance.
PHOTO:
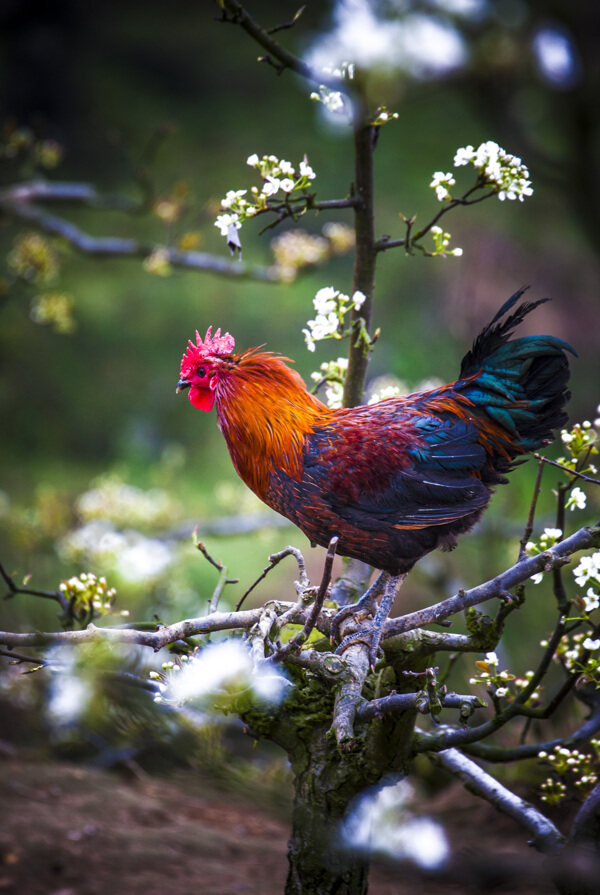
(183, 383)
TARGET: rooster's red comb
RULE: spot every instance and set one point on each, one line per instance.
(211, 346)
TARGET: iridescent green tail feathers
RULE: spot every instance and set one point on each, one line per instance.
(522, 383)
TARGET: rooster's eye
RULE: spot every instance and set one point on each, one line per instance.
(201, 372)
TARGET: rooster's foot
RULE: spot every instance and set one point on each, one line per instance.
(371, 635)
(360, 610)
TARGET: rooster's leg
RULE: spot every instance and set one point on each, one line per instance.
(362, 608)
(371, 634)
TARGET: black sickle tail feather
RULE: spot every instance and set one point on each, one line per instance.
(522, 383)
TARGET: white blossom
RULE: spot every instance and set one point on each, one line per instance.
(440, 184)
(551, 534)
(286, 168)
(588, 568)
(306, 170)
(334, 392)
(252, 160)
(590, 644)
(358, 299)
(231, 197)
(577, 499)
(325, 300)
(271, 185)
(591, 600)
(287, 185)
(500, 169)
(309, 340)
(501, 691)
(491, 658)
(324, 325)
(463, 156)
(537, 578)
(225, 221)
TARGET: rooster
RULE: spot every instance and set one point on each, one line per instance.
(392, 480)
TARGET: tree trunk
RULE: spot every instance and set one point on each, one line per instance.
(325, 785)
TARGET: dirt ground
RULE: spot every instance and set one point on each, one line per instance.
(74, 830)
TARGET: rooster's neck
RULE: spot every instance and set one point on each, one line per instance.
(265, 414)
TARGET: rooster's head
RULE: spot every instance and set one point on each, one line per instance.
(202, 364)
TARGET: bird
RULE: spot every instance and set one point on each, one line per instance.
(392, 480)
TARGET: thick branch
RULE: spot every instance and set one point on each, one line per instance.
(349, 697)
(402, 702)
(189, 627)
(501, 584)
(546, 836)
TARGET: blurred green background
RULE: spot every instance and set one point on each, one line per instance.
(93, 411)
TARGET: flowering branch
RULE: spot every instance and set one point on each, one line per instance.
(502, 174)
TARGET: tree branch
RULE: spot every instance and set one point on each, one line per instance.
(402, 702)
(546, 837)
(189, 627)
(296, 642)
(491, 752)
(14, 589)
(235, 13)
(114, 246)
(566, 470)
(501, 584)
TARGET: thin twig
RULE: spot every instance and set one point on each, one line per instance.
(567, 471)
(382, 245)
(234, 13)
(19, 657)
(14, 589)
(286, 25)
(501, 754)
(214, 562)
(274, 560)
(532, 508)
(296, 642)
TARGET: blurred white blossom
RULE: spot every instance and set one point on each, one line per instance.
(380, 822)
(132, 555)
(222, 668)
(424, 45)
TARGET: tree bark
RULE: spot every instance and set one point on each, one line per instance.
(325, 785)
